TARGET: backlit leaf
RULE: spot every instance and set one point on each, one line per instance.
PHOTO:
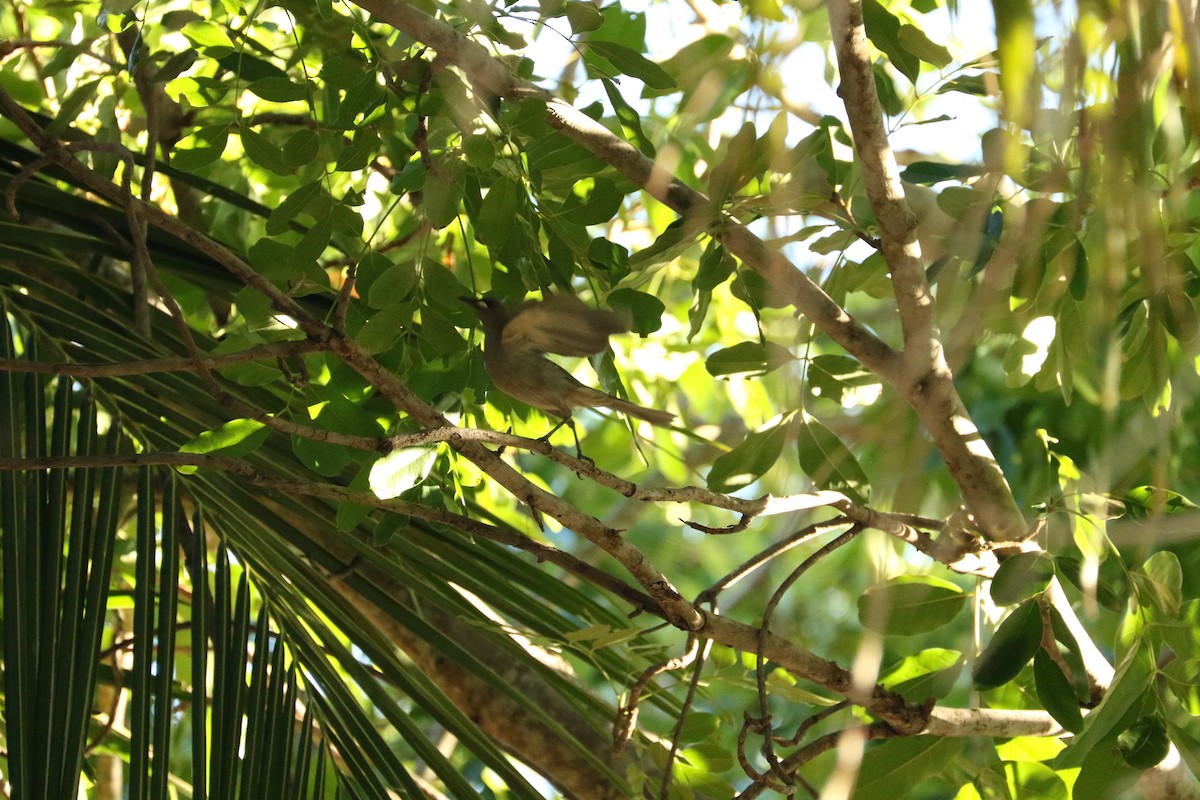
(909, 605)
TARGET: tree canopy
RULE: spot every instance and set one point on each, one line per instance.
(921, 528)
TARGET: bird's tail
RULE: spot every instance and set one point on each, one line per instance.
(651, 415)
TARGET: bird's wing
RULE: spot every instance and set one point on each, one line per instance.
(561, 324)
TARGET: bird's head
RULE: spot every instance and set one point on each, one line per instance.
(488, 309)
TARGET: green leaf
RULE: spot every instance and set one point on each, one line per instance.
(931, 172)
(361, 100)
(698, 727)
(632, 63)
(608, 256)
(1144, 501)
(393, 285)
(830, 375)
(885, 89)
(883, 29)
(929, 673)
(310, 247)
(344, 71)
(909, 604)
(645, 309)
(72, 105)
(383, 329)
(715, 267)
(201, 148)
(209, 37)
(235, 439)
(828, 461)
(1102, 776)
(264, 152)
(1030, 779)
(600, 205)
(1080, 272)
(1071, 655)
(835, 242)
(1133, 678)
(1020, 577)
(1055, 692)
(1181, 631)
(748, 358)
(1189, 746)
(300, 149)
(731, 171)
(1177, 314)
(296, 202)
(1144, 744)
(970, 84)
(894, 767)
(583, 17)
(443, 194)
(627, 115)
(1159, 583)
(362, 148)
(324, 458)
(196, 91)
(916, 42)
(401, 470)
(279, 89)
(747, 462)
(479, 150)
(1011, 647)
(496, 218)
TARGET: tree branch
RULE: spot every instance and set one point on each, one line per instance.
(928, 383)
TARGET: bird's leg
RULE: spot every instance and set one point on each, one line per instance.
(570, 423)
(578, 449)
(554, 430)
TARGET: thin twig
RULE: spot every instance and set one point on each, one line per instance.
(796, 539)
(664, 790)
(760, 674)
(627, 712)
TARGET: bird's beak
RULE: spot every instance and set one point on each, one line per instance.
(469, 300)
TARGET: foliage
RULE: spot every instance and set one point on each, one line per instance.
(257, 534)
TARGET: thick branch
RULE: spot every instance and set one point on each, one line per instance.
(898, 225)
(928, 384)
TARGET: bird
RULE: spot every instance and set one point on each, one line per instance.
(515, 343)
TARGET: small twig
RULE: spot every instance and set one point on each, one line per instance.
(677, 734)
(627, 712)
(793, 762)
(768, 780)
(760, 673)
(837, 199)
(1050, 645)
(798, 538)
(10, 46)
(804, 727)
(19, 180)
